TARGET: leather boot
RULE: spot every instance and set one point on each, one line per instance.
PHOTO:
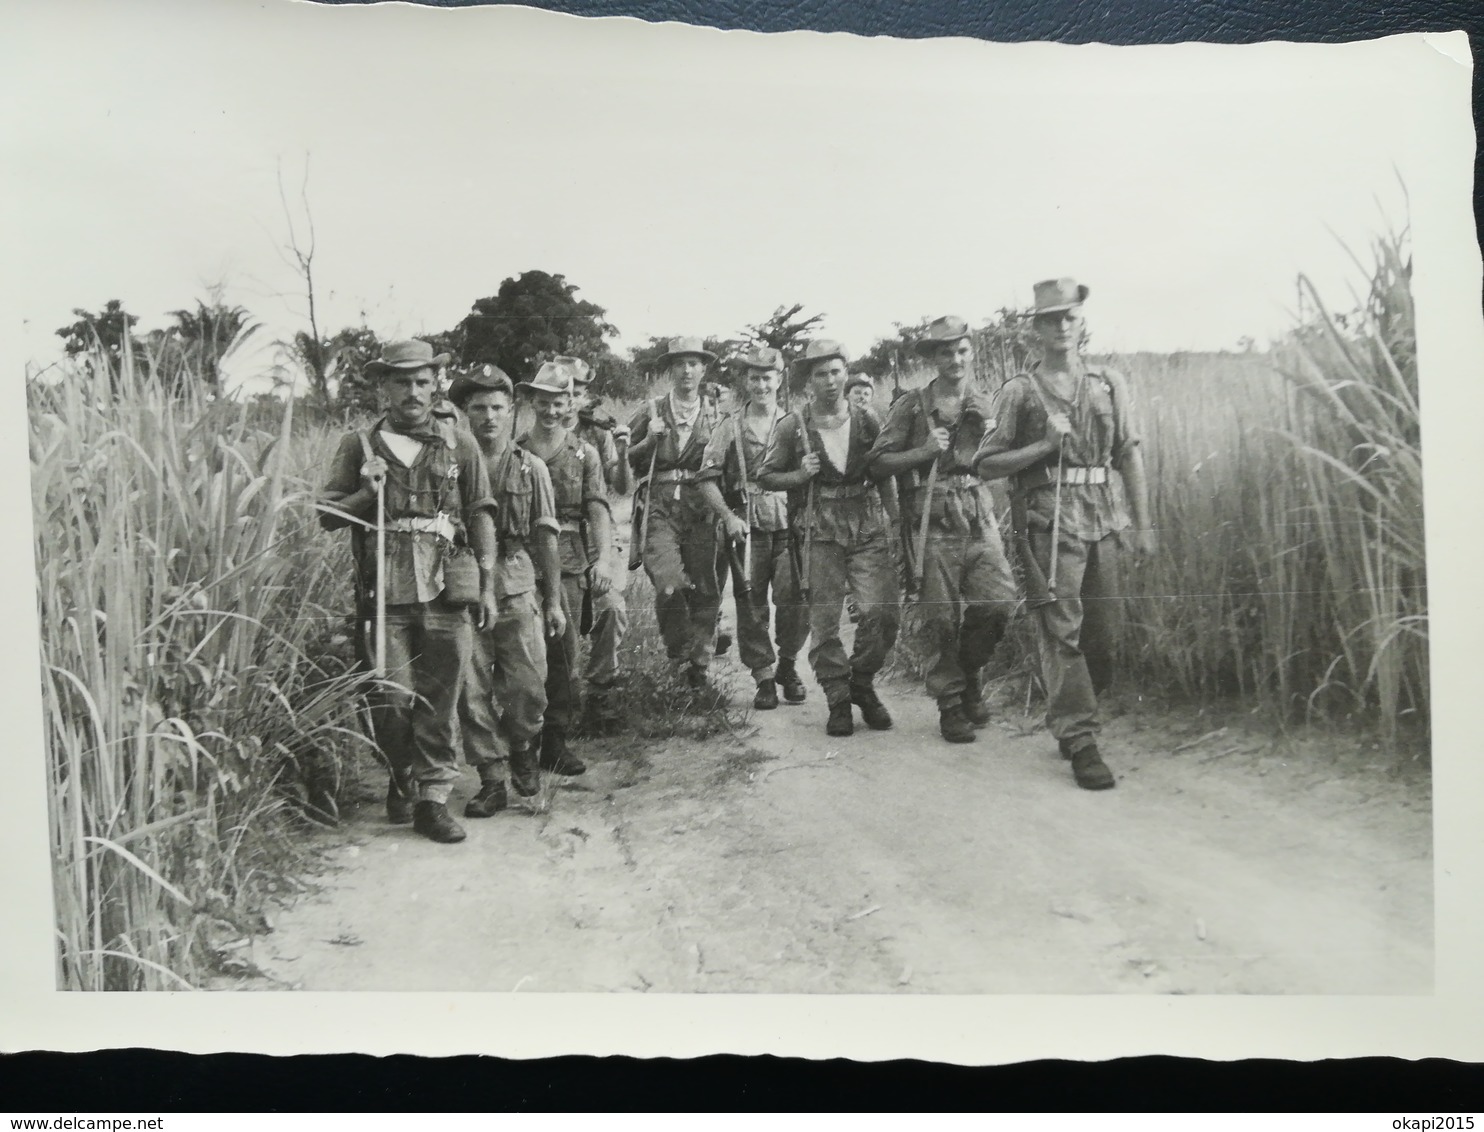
(556, 758)
(873, 711)
(954, 723)
(788, 677)
(841, 721)
(433, 821)
(399, 798)
(972, 702)
(767, 696)
(490, 800)
(525, 774)
(1089, 769)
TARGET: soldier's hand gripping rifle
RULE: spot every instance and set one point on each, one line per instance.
(744, 583)
(808, 517)
(642, 493)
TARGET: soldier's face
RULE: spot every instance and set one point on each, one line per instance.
(686, 373)
(408, 395)
(953, 359)
(551, 408)
(489, 415)
(862, 395)
(1060, 330)
(827, 379)
(763, 383)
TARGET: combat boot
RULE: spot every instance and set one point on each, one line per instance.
(841, 721)
(525, 775)
(433, 821)
(1089, 769)
(399, 799)
(873, 711)
(767, 696)
(490, 800)
(972, 702)
(556, 758)
(954, 723)
(788, 676)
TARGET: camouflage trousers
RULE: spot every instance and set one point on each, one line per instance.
(1078, 631)
(427, 654)
(504, 698)
(968, 595)
(864, 568)
(680, 559)
(772, 575)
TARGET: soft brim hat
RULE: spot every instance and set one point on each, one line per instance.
(941, 330)
(762, 357)
(484, 379)
(1055, 295)
(680, 347)
(858, 379)
(821, 350)
(411, 354)
(555, 376)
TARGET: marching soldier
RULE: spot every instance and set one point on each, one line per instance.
(820, 455)
(1059, 434)
(584, 530)
(505, 689)
(436, 499)
(676, 531)
(610, 620)
(962, 578)
(757, 525)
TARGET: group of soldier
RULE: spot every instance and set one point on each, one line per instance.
(495, 552)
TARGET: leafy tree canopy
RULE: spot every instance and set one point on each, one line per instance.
(529, 319)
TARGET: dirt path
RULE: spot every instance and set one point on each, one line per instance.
(893, 862)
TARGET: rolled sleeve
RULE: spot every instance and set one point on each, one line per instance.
(474, 479)
(783, 450)
(343, 480)
(1125, 431)
(896, 433)
(1001, 438)
(543, 499)
(717, 459)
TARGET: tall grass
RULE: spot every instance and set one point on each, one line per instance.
(1287, 490)
(184, 605)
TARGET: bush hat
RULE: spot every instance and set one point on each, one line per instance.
(679, 347)
(858, 379)
(582, 373)
(1053, 295)
(480, 379)
(409, 354)
(761, 357)
(555, 376)
(821, 349)
(949, 328)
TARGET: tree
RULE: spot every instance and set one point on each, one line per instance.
(531, 318)
(312, 350)
(349, 351)
(786, 329)
(111, 328)
(205, 334)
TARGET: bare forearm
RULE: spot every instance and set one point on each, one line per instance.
(360, 503)
(1136, 487)
(894, 463)
(600, 523)
(486, 547)
(1003, 464)
(623, 477)
(711, 493)
(549, 567)
(783, 481)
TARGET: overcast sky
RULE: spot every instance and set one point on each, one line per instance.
(688, 180)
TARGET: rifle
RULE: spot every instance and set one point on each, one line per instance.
(641, 506)
(917, 561)
(379, 655)
(808, 516)
(746, 579)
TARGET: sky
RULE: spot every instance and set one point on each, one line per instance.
(687, 180)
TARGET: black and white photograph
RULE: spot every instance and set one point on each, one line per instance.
(524, 504)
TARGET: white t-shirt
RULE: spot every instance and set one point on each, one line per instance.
(685, 423)
(404, 448)
(836, 443)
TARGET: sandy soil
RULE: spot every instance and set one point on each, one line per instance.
(782, 861)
